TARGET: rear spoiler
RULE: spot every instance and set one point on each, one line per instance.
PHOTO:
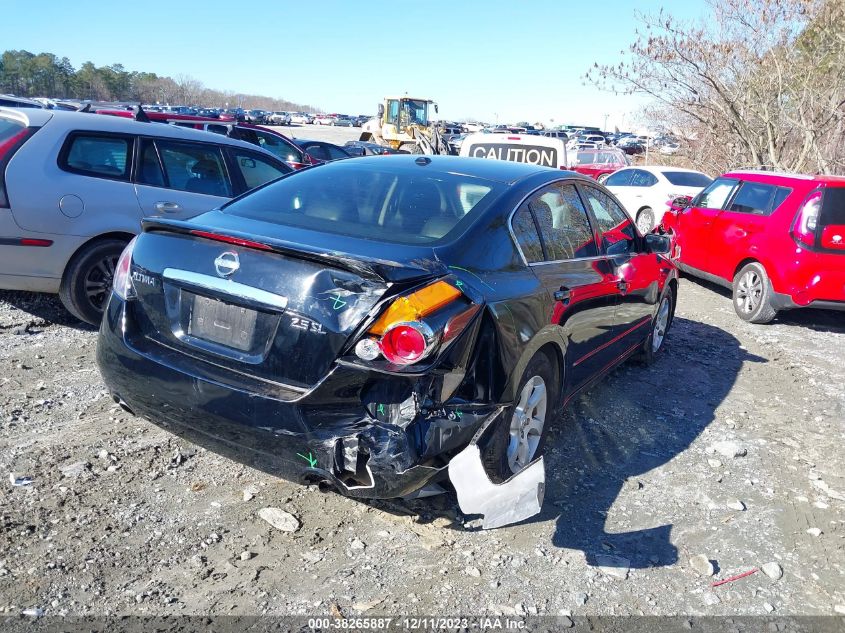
(367, 267)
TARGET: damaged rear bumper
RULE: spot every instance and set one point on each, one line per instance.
(366, 435)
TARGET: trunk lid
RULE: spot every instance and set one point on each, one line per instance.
(266, 308)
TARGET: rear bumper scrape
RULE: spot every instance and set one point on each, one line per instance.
(511, 501)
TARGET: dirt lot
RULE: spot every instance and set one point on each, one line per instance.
(121, 517)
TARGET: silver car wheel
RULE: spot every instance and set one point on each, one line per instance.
(527, 423)
(98, 282)
(749, 291)
(661, 324)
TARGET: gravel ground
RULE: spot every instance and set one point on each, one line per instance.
(723, 457)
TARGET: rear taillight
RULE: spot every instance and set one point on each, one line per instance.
(7, 150)
(402, 336)
(122, 283)
(806, 222)
(407, 343)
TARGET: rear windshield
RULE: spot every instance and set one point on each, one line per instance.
(404, 205)
(687, 178)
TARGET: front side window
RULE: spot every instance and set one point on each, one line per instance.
(318, 151)
(563, 223)
(195, 168)
(278, 147)
(255, 170)
(618, 233)
(99, 155)
(716, 194)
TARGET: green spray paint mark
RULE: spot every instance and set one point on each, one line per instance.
(459, 414)
(380, 409)
(466, 270)
(459, 284)
(312, 461)
(338, 302)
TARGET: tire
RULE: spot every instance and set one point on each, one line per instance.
(86, 284)
(645, 220)
(752, 294)
(516, 441)
(411, 148)
(660, 325)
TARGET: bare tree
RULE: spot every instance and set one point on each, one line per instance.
(761, 83)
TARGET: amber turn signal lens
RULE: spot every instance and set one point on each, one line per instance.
(416, 305)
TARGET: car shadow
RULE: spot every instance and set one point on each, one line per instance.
(634, 421)
(810, 318)
(42, 307)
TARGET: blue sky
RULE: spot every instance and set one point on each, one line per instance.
(489, 60)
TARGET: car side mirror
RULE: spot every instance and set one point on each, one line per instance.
(380, 110)
(436, 109)
(657, 244)
(680, 203)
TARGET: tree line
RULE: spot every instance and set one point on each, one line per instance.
(26, 74)
(755, 83)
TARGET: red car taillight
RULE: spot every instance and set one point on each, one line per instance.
(806, 222)
(402, 336)
(122, 282)
(407, 343)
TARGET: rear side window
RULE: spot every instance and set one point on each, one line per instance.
(527, 236)
(758, 198)
(97, 155)
(195, 168)
(620, 178)
(336, 153)
(687, 178)
(563, 223)
(642, 178)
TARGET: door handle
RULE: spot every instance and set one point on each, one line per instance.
(564, 294)
(622, 285)
(167, 207)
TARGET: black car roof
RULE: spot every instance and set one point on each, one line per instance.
(496, 170)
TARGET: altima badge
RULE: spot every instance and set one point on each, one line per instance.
(227, 263)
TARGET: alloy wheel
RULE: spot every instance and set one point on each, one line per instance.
(749, 291)
(98, 281)
(527, 423)
(661, 324)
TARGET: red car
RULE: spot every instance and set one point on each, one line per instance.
(599, 163)
(778, 240)
(274, 142)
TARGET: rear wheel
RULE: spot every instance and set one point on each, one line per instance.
(411, 148)
(752, 294)
(522, 432)
(87, 281)
(645, 220)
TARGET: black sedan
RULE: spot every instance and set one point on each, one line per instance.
(374, 325)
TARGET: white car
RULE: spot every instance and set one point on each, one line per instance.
(279, 118)
(301, 117)
(646, 191)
